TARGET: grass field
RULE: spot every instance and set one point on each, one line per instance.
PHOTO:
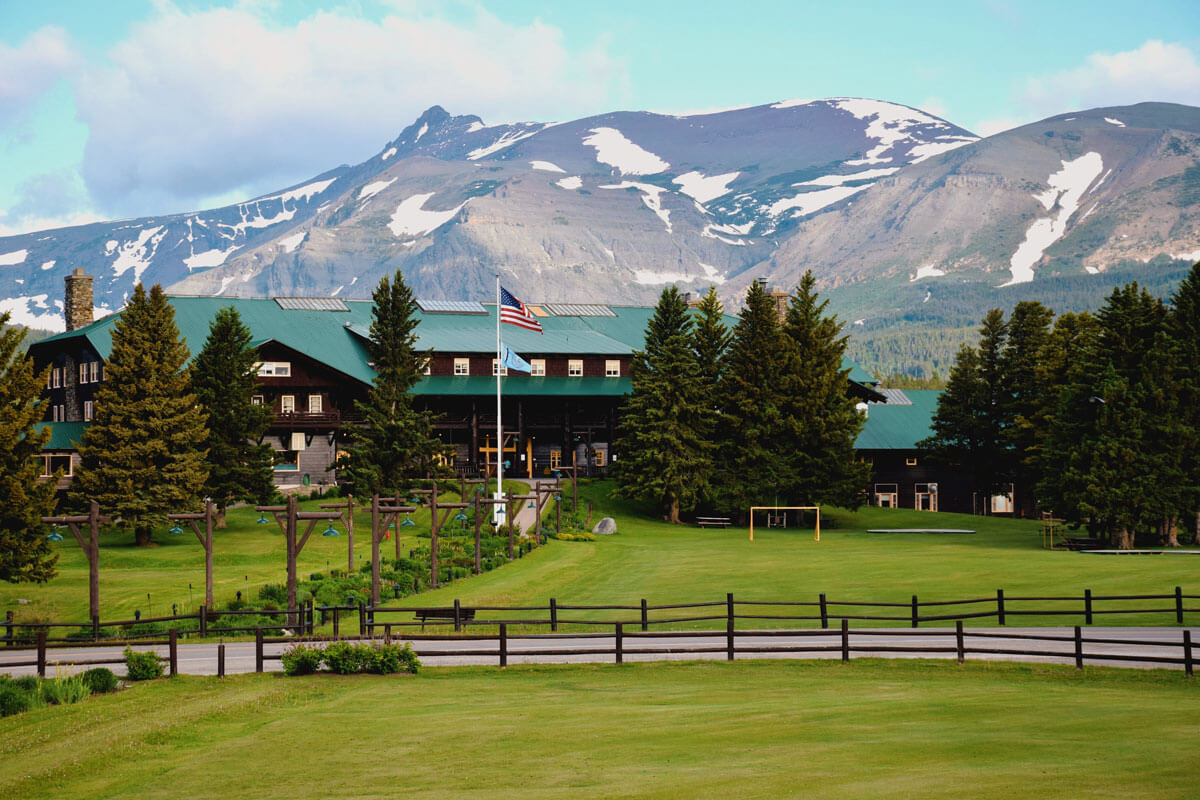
(645, 559)
(745, 730)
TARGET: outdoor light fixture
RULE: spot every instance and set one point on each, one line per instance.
(175, 529)
(262, 519)
(330, 531)
(408, 523)
(54, 536)
(461, 517)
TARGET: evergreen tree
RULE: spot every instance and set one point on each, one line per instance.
(710, 337)
(1024, 392)
(665, 456)
(820, 418)
(223, 380)
(25, 554)
(969, 427)
(1183, 326)
(395, 443)
(143, 455)
(752, 466)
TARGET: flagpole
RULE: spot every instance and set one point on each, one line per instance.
(499, 418)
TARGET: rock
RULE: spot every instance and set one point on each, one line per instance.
(21, 601)
(605, 527)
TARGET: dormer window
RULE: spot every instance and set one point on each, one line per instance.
(274, 369)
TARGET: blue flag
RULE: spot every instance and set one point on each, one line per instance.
(513, 361)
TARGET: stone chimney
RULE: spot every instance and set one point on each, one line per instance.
(780, 299)
(78, 301)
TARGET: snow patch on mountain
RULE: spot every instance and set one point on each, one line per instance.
(838, 180)
(808, 202)
(391, 151)
(1116, 122)
(49, 265)
(374, 188)
(614, 149)
(573, 182)
(209, 258)
(13, 258)
(290, 243)
(507, 139)
(927, 271)
(705, 188)
(257, 221)
(651, 197)
(411, 218)
(711, 273)
(136, 255)
(424, 130)
(27, 311)
(889, 124)
(648, 278)
(305, 192)
(795, 103)
(931, 149)
(546, 166)
(1066, 188)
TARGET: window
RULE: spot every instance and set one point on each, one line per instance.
(537, 367)
(83, 373)
(462, 366)
(887, 495)
(256, 399)
(287, 460)
(925, 496)
(575, 368)
(287, 404)
(57, 375)
(94, 372)
(1003, 503)
(88, 409)
(296, 441)
(274, 369)
(911, 461)
(503, 370)
(60, 413)
(612, 369)
(50, 463)
(428, 368)
(599, 458)
(555, 459)
(314, 404)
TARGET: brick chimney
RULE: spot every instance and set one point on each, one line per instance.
(77, 305)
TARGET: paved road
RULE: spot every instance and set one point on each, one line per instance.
(201, 659)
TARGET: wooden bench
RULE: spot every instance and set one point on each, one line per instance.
(713, 522)
(443, 614)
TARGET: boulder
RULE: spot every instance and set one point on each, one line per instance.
(605, 527)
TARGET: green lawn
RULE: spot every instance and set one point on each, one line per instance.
(746, 730)
(646, 559)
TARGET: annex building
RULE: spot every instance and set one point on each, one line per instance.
(313, 366)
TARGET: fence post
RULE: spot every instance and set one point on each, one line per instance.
(8, 624)
(620, 643)
(457, 616)
(362, 619)
(41, 653)
(845, 640)
(387, 633)
(958, 635)
(1187, 652)
(1000, 605)
(258, 650)
(221, 660)
(203, 621)
(503, 644)
(1087, 606)
(95, 627)
(645, 619)
(553, 615)
(1178, 605)
(337, 613)
(173, 651)
(729, 648)
(824, 612)
(1078, 648)
(915, 612)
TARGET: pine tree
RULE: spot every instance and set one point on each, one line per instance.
(1183, 326)
(751, 465)
(665, 457)
(24, 497)
(143, 455)
(223, 380)
(710, 337)
(395, 443)
(1024, 391)
(820, 418)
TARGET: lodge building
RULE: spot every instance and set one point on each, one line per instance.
(314, 366)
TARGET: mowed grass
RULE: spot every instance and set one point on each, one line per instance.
(653, 560)
(746, 730)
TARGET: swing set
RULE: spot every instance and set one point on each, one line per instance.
(777, 517)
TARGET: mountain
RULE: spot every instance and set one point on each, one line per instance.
(914, 226)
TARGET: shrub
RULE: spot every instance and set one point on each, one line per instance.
(100, 680)
(346, 659)
(273, 593)
(85, 633)
(64, 689)
(142, 666)
(26, 683)
(301, 659)
(15, 700)
(149, 628)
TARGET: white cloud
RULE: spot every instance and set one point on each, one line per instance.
(199, 104)
(1162, 71)
(29, 69)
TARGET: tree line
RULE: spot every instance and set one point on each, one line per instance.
(1094, 418)
(166, 433)
(722, 419)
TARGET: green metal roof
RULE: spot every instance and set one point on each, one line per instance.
(518, 386)
(896, 426)
(63, 435)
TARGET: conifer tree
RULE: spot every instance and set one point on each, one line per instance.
(223, 380)
(1183, 326)
(1023, 392)
(820, 418)
(710, 337)
(395, 443)
(665, 456)
(24, 497)
(751, 466)
(143, 456)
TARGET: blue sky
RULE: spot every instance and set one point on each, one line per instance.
(133, 107)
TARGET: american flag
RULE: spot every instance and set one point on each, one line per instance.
(514, 312)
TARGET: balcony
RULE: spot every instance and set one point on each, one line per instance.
(302, 420)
